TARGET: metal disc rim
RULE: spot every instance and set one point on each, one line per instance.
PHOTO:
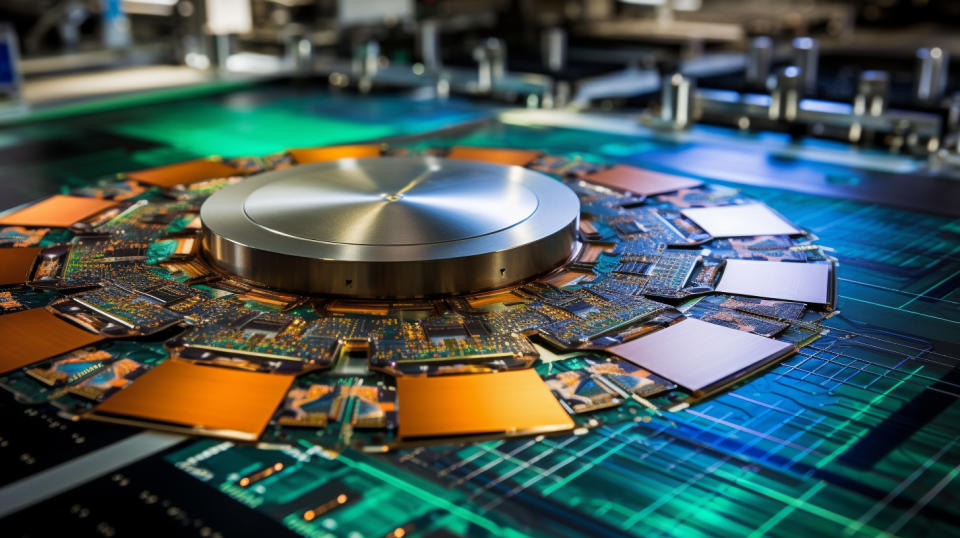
(532, 246)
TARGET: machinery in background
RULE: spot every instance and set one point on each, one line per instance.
(871, 74)
(10, 80)
(645, 384)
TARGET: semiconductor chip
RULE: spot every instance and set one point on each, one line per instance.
(200, 399)
(517, 157)
(112, 378)
(581, 392)
(58, 211)
(71, 367)
(26, 338)
(309, 406)
(332, 153)
(698, 355)
(745, 220)
(513, 403)
(788, 281)
(16, 263)
(641, 181)
(183, 173)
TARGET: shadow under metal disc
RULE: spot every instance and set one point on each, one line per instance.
(391, 227)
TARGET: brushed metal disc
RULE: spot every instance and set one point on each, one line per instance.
(391, 227)
(405, 206)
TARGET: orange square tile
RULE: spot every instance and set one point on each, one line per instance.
(184, 173)
(58, 211)
(332, 153)
(512, 403)
(33, 335)
(236, 404)
(641, 181)
(517, 157)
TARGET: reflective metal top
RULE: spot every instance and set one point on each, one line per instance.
(392, 201)
(392, 209)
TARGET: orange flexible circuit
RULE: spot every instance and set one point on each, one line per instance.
(15, 264)
(332, 153)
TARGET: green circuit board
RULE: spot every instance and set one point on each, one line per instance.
(855, 434)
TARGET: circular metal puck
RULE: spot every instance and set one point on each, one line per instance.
(391, 227)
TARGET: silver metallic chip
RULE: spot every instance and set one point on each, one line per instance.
(696, 354)
(787, 281)
(746, 220)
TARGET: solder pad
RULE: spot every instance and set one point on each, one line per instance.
(199, 399)
(511, 403)
(332, 153)
(15, 264)
(183, 173)
(58, 211)
(516, 157)
(33, 335)
(641, 181)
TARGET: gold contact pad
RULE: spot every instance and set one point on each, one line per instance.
(332, 153)
(517, 157)
(184, 173)
(218, 401)
(640, 181)
(15, 264)
(58, 211)
(37, 334)
(515, 402)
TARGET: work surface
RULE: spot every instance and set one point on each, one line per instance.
(857, 433)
